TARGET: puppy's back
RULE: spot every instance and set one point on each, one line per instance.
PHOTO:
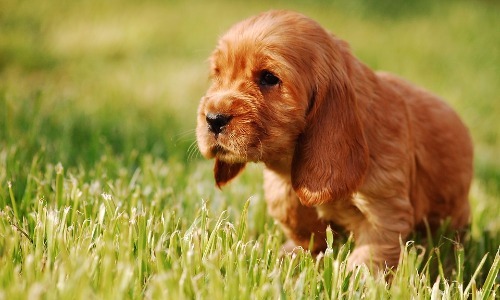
(443, 165)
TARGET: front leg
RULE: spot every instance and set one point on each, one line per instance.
(298, 221)
(377, 236)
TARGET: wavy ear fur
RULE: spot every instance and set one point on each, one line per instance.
(224, 172)
(331, 155)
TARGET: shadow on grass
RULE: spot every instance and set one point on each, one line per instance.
(455, 255)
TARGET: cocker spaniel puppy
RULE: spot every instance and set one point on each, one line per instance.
(342, 145)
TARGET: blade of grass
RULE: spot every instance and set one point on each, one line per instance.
(473, 279)
(242, 225)
(59, 184)
(13, 200)
(492, 277)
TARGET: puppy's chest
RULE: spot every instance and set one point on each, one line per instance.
(284, 205)
(280, 196)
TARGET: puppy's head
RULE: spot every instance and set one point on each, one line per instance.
(270, 76)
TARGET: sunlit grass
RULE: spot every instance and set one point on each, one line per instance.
(104, 195)
(144, 233)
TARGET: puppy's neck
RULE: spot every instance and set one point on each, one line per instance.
(282, 166)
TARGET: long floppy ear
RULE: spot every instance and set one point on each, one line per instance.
(331, 155)
(224, 172)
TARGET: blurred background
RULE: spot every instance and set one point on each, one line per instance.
(83, 79)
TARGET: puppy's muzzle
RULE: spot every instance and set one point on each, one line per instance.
(217, 122)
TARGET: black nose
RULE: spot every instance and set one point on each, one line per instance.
(217, 122)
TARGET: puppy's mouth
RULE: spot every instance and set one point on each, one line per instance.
(233, 142)
(228, 154)
(218, 150)
(224, 154)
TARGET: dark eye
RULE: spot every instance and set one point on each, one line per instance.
(268, 79)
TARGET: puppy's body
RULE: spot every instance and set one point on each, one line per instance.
(342, 145)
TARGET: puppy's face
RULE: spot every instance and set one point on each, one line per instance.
(261, 88)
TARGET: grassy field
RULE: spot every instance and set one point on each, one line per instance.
(104, 195)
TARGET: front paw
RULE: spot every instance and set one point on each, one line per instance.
(290, 247)
(374, 257)
(360, 256)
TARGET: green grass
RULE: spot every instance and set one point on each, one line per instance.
(104, 195)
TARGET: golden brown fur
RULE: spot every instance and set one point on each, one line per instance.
(341, 144)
